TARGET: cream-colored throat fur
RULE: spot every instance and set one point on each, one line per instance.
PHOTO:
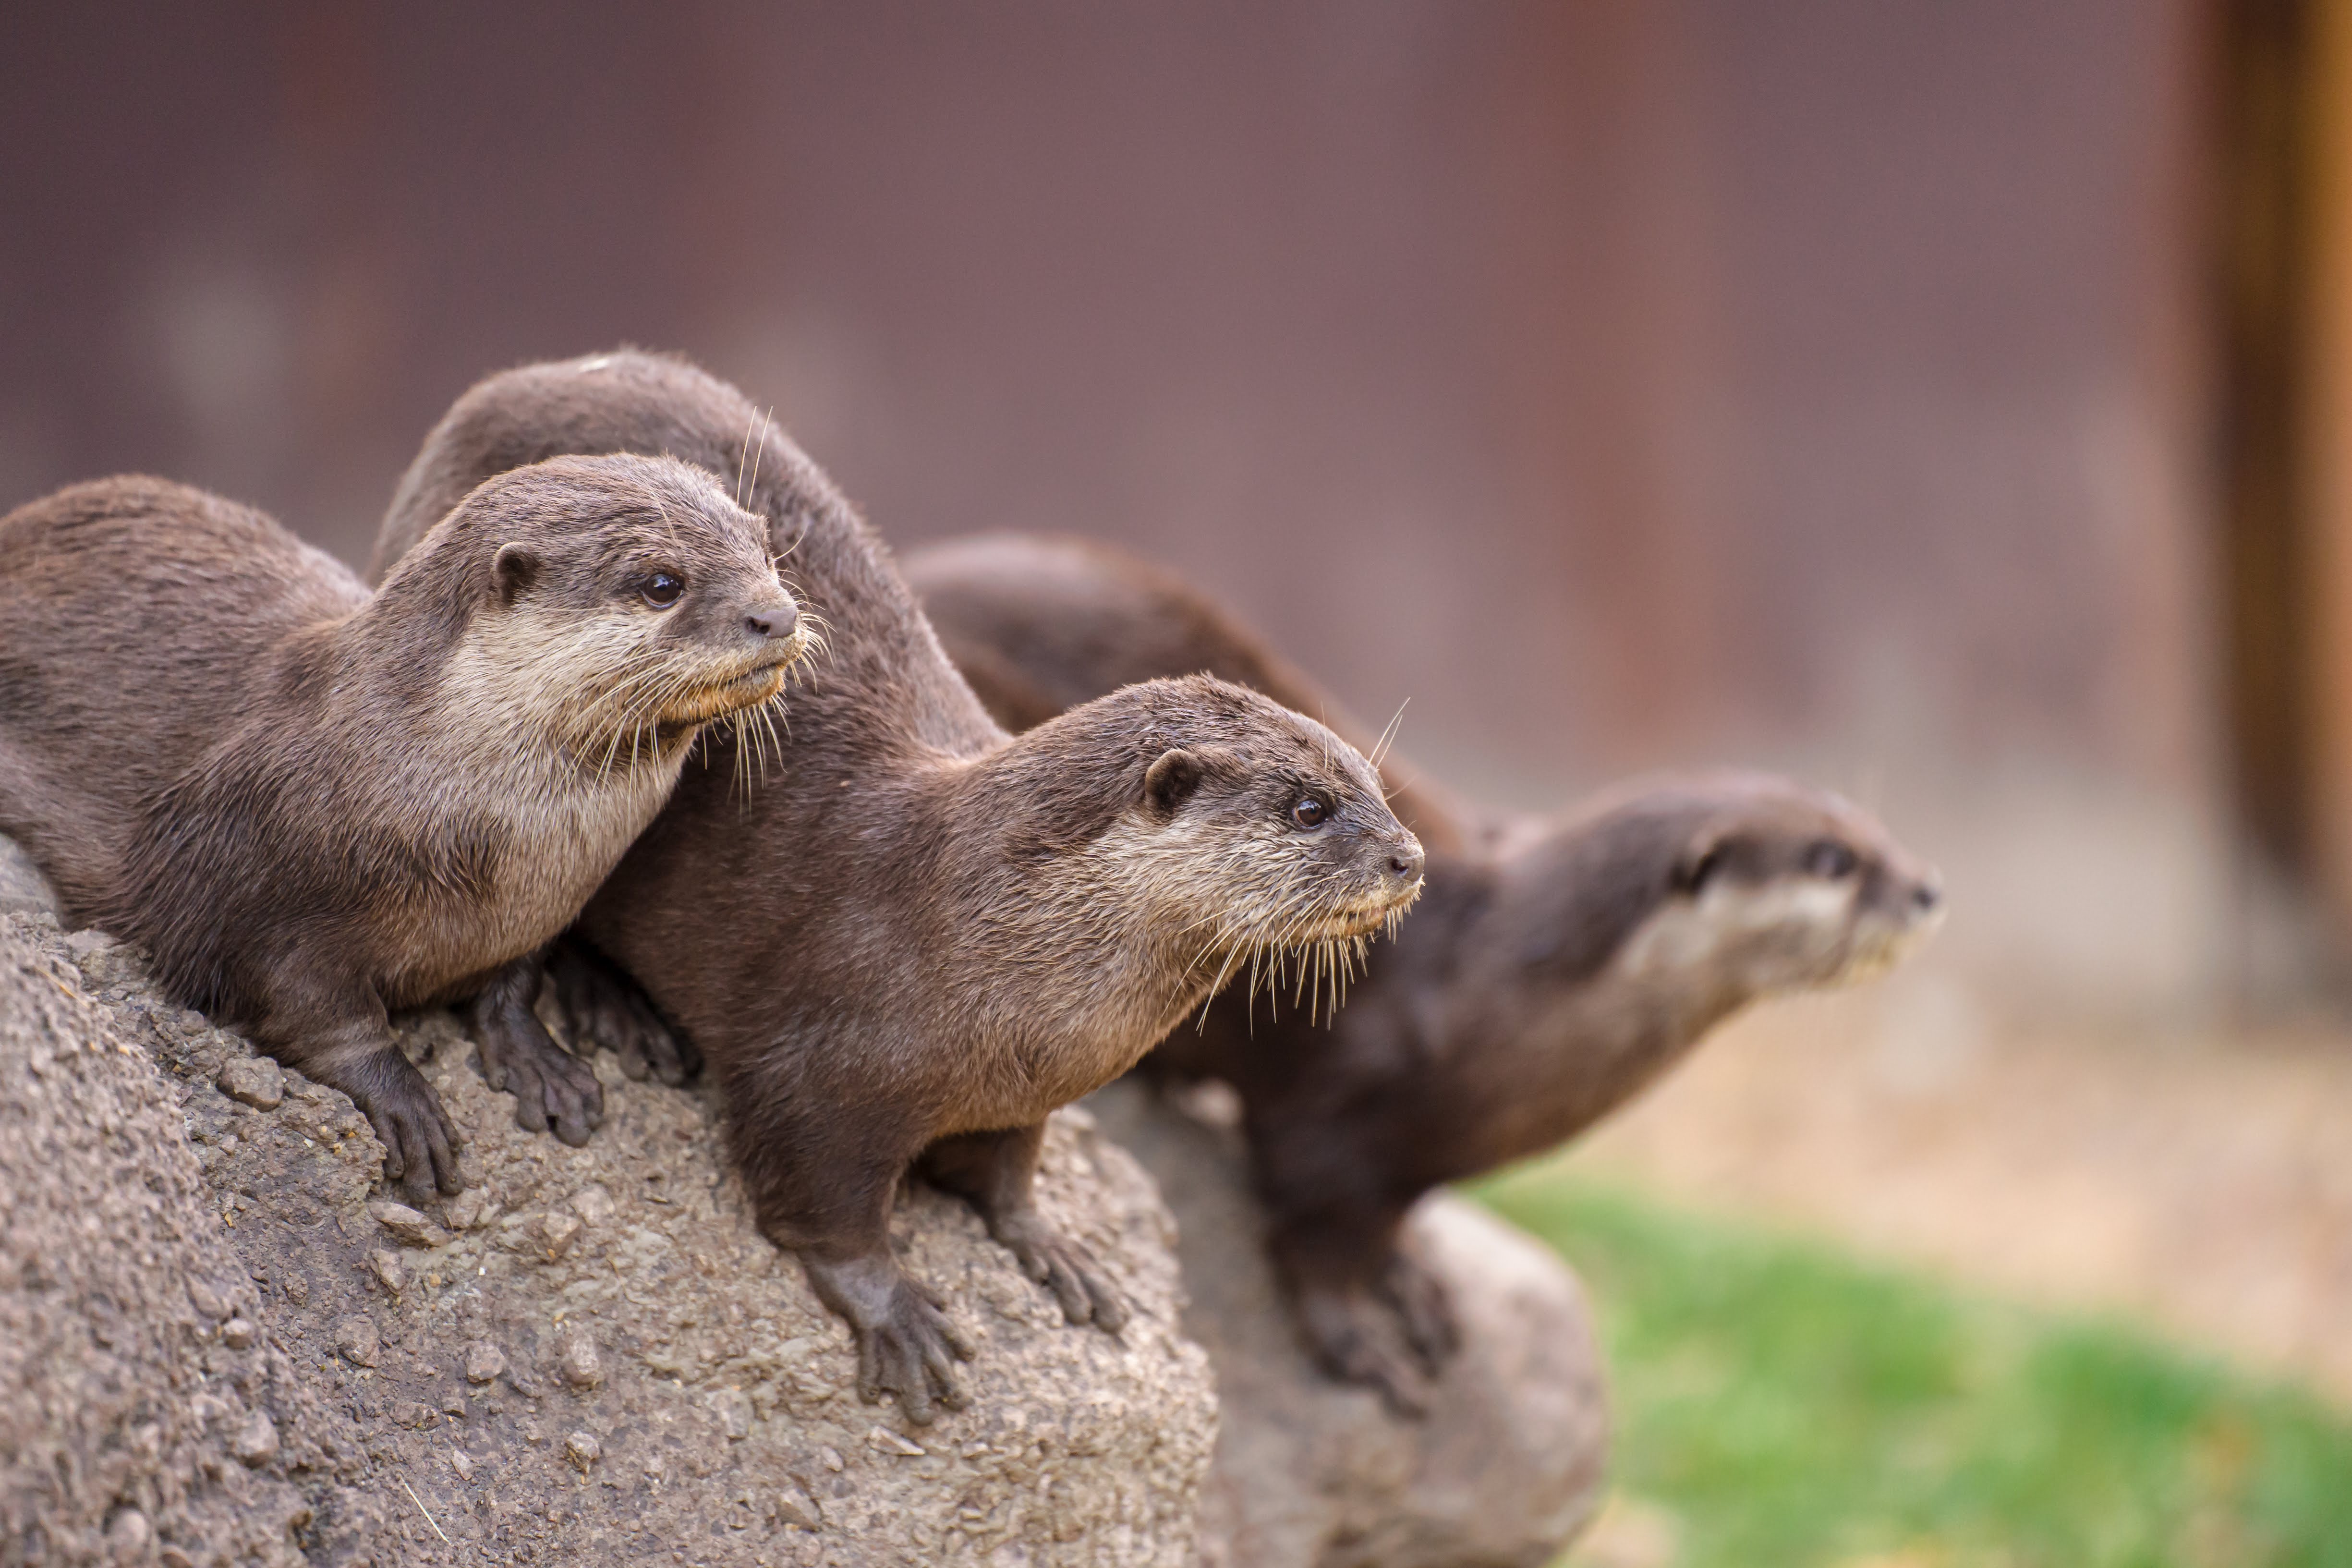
(543, 726)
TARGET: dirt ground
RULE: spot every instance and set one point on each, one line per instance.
(2200, 1183)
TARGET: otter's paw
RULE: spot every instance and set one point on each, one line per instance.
(597, 1004)
(1354, 1339)
(1423, 1309)
(420, 1144)
(906, 1345)
(553, 1089)
(1064, 1267)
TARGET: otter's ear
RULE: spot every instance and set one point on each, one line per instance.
(1172, 777)
(1699, 861)
(513, 571)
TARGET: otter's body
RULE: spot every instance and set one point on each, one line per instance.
(314, 807)
(916, 937)
(1550, 971)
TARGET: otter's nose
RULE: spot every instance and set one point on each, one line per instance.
(774, 620)
(1925, 897)
(1405, 860)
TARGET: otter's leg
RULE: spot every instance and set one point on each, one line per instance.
(345, 1042)
(1367, 1311)
(553, 1088)
(995, 1172)
(840, 1227)
(597, 1003)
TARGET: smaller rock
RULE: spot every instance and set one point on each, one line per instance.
(577, 1359)
(86, 945)
(356, 1340)
(832, 1457)
(237, 1333)
(297, 1288)
(453, 1403)
(208, 1298)
(889, 1441)
(23, 890)
(582, 1449)
(733, 1408)
(462, 1463)
(253, 1080)
(256, 1443)
(796, 1507)
(557, 1231)
(594, 1204)
(470, 1210)
(484, 1362)
(407, 1227)
(130, 1533)
(390, 1269)
(172, 1557)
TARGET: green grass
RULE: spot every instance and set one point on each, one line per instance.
(1790, 1406)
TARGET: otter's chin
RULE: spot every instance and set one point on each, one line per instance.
(730, 696)
(1875, 951)
(1367, 918)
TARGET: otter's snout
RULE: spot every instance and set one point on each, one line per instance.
(774, 620)
(1405, 861)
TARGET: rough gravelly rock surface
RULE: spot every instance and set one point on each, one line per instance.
(23, 890)
(1509, 1464)
(211, 1321)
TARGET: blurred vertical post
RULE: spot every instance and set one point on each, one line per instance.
(2328, 452)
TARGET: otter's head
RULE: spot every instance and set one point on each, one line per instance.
(625, 601)
(1254, 834)
(1717, 890)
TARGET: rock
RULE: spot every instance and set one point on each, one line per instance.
(208, 1298)
(129, 1535)
(582, 1449)
(389, 1270)
(407, 1227)
(577, 1362)
(484, 1362)
(1506, 1469)
(470, 1210)
(255, 1080)
(685, 1299)
(237, 1333)
(256, 1443)
(103, 1345)
(23, 890)
(556, 1231)
(795, 1505)
(462, 1463)
(356, 1340)
(594, 1204)
(889, 1441)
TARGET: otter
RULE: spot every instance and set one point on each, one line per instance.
(921, 935)
(314, 806)
(1550, 971)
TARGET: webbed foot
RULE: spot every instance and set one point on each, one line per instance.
(596, 1004)
(1425, 1311)
(420, 1142)
(553, 1089)
(906, 1347)
(1357, 1338)
(1064, 1267)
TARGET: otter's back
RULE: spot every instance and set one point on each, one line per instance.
(134, 614)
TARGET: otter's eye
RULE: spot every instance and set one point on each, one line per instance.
(661, 590)
(1309, 811)
(1830, 859)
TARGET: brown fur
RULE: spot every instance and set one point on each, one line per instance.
(314, 807)
(1550, 971)
(919, 937)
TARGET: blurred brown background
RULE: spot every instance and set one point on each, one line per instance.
(1875, 388)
